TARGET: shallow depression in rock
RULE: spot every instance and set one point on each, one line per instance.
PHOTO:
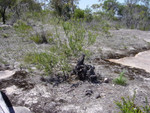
(140, 60)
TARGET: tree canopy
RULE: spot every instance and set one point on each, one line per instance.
(63, 7)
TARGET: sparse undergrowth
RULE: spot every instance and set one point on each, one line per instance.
(22, 28)
(78, 37)
(128, 106)
(40, 38)
(62, 50)
(121, 80)
(48, 62)
(2, 61)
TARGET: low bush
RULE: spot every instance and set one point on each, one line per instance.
(121, 80)
(39, 38)
(48, 61)
(42, 37)
(128, 106)
(78, 37)
(22, 27)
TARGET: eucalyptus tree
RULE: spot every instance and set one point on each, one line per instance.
(4, 5)
(63, 8)
(136, 13)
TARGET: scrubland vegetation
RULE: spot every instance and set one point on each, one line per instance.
(74, 30)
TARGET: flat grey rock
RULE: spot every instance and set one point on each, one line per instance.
(21, 109)
(6, 74)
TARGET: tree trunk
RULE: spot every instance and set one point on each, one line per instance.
(3, 15)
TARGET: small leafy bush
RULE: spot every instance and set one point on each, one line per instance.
(78, 36)
(5, 35)
(22, 27)
(36, 38)
(128, 106)
(39, 38)
(92, 38)
(48, 61)
(105, 27)
(42, 61)
(121, 80)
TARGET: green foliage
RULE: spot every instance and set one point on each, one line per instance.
(79, 13)
(110, 6)
(43, 61)
(42, 37)
(78, 37)
(63, 8)
(121, 80)
(2, 61)
(32, 5)
(36, 38)
(4, 5)
(5, 35)
(128, 106)
(88, 17)
(54, 60)
(22, 27)
(62, 50)
(133, 15)
(105, 27)
(92, 38)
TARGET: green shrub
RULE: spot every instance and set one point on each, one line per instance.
(121, 80)
(79, 13)
(36, 38)
(22, 27)
(105, 27)
(92, 38)
(48, 61)
(56, 59)
(88, 17)
(78, 37)
(42, 61)
(128, 106)
(5, 35)
(40, 38)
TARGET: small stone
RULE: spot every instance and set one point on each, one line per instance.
(21, 109)
(103, 94)
(88, 92)
(106, 80)
(11, 90)
(98, 96)
(33, 68)
(6, 74)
